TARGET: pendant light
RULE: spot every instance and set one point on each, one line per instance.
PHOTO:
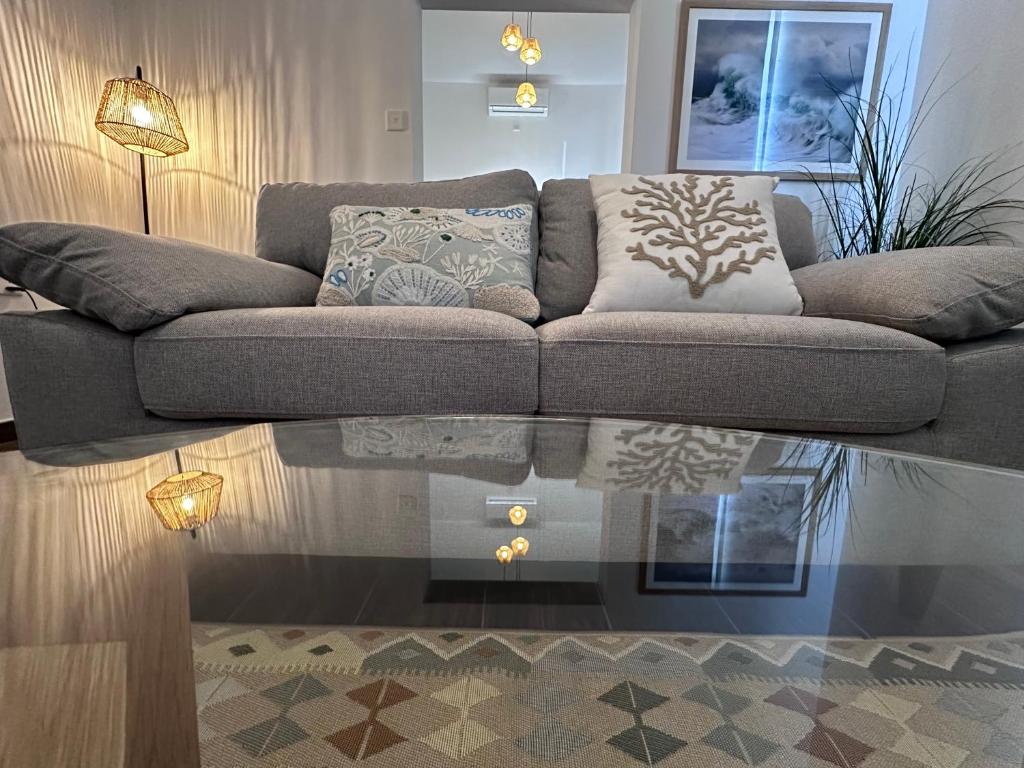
(530, 52)
(512, 37)
(526, 95)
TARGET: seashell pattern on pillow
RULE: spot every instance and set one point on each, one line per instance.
(432, 257)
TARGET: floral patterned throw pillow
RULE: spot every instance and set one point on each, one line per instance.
(432, 257)
(689, 243)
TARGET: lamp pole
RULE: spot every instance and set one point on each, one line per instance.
(142, 173)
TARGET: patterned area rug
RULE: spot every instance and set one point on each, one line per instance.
(317, 697)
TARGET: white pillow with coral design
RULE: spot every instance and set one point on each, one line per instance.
(685, 242)
(665, 458)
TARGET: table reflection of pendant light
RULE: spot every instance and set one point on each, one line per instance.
(517, 548)
(142, 118)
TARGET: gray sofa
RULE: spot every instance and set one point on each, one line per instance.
(73, 379)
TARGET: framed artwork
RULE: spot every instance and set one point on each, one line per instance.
(758, 84)
(756, 541)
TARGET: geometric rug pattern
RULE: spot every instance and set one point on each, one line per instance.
(318, 697)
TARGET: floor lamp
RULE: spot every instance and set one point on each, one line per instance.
(142, 118)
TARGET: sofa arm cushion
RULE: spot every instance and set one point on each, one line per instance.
(942, 294)
(134, 281)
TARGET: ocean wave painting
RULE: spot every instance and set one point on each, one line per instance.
(763, 88)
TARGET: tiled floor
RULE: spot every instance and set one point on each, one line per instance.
(850, 601)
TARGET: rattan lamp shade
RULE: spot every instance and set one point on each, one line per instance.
(140, 117)
(185, 501)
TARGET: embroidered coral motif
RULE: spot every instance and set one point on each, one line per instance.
(711, 227)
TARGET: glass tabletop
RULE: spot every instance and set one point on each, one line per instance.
(581, 590)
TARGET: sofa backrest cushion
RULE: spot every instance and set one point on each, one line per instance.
(796, 231)
(293, 220)
(134, 281)
(945, 294)
(567, 263)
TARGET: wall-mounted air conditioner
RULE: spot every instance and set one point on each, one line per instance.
(501, 102)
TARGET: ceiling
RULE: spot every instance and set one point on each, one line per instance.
(562, 6)
(579, 49)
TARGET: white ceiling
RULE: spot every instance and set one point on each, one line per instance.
(579, 48)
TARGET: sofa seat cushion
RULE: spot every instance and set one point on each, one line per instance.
(338, 361)
(749, 371)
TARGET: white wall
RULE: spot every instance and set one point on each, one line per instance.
(579, 48)
(583, 129)
(653, 39)
(584, 68)
(978, 44)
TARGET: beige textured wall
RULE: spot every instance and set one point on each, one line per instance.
(54, 58)
(276, 91)
(975, 50)
(267, 91)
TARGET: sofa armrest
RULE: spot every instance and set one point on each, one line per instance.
(943, 294)
(72, 380)
(134, 281)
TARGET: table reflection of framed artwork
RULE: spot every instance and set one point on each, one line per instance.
(757, 541)
(760, 84)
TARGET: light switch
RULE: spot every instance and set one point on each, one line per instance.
(396, 120)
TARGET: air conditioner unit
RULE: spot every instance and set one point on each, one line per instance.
(501, 102)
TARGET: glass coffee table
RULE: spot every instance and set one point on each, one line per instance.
(508, 591)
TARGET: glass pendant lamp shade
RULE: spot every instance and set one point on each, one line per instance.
(526, 96)
(187, 500)
(530, 53)
(512, 37)
(140, 117)
(517, 515)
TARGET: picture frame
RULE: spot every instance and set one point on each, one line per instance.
(757, 542)
(754, 79)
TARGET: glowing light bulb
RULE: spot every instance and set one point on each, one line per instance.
(517, 515)
(512, 37)
(141, 116)
(526, 96)
(188, 503)
(504, 555)
(530, 53)
(520, 546)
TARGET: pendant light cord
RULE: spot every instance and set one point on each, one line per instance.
(19, 289)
